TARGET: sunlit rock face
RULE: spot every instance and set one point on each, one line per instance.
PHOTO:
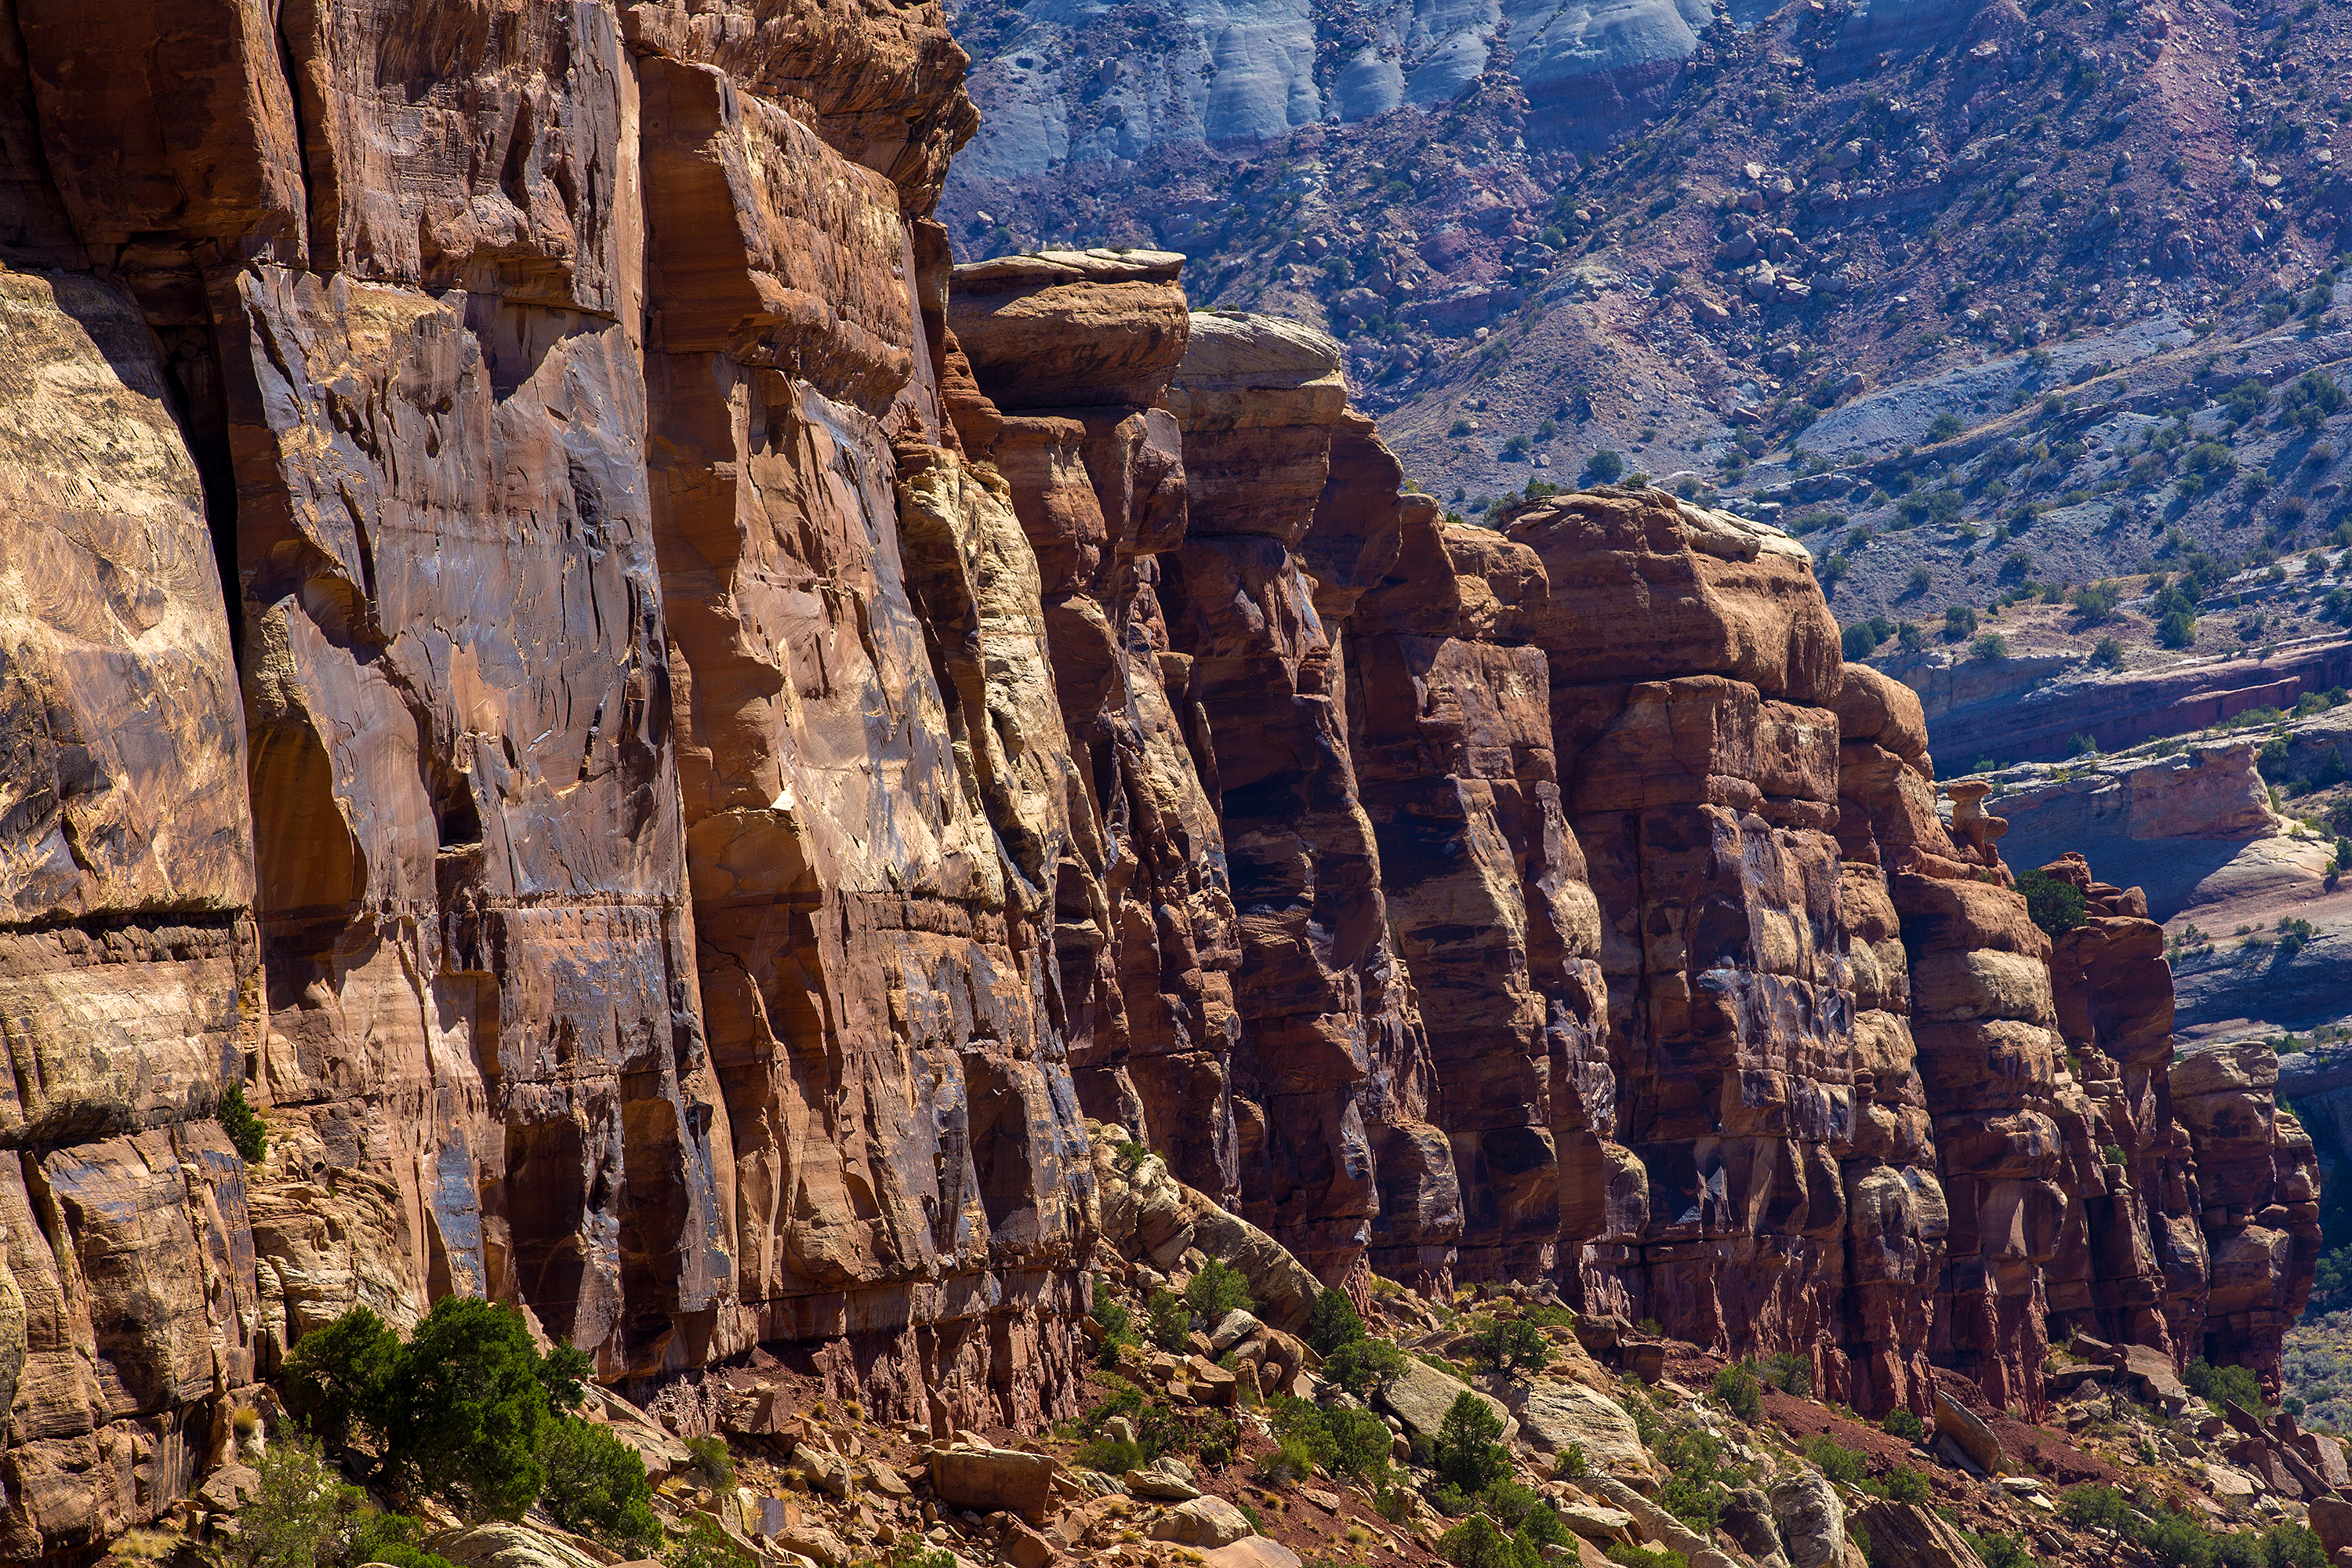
(1057, 86)
(681, 748)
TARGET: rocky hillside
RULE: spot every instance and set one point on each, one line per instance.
(596, 724)
(1930, 276)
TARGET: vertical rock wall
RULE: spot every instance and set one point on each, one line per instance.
(680, 746)
(1691, 661)
(1327, 1012)
(1487, 889)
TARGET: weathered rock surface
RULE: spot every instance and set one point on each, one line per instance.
(681, 748)
(2173, 826)
(1331, 1038)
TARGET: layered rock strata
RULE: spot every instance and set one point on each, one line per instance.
(681, 748)
(1330, 1024)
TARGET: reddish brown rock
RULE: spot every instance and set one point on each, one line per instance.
(1700, 775)
(1146, 917)
(1487, 894)
(724, 737)
(128, 1296)
(2256, 1177)
(1329, 1021)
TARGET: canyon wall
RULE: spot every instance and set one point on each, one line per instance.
(680, 749)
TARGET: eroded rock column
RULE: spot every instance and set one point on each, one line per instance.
(1069, 354)
(1692, 663)
(875, 779)
(1325, 1002)
(1450, 727)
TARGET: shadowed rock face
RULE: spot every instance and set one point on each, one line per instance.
(1328, 1019)
(681, 750)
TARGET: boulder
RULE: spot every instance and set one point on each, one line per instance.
(1251, 1552)
(1169, 1479)
(2331, 1521)
(1421, 1395)
(1595, 1522)
(1970, 1433)
(1811, 1518)
(1554, 1413)
(1204, 1521)
(502, 1545)
(1911, 1535)
(983, 1480)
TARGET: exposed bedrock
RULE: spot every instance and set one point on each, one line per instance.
(681, 750)
(1331, 1041)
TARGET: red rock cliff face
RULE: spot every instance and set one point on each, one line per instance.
(679, 747)
(660, 785)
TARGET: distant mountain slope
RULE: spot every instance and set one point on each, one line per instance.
(1739, 247)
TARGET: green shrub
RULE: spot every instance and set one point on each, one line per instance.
(2174, 1539)
(1904, 1484)
(1698, 1481)
(1332, 1322)
(1300, 1422)
(1112, 1455)
(703, 1545)
(1171, 1320)
(1999, 1551)
(1216, 1291)
(714, 1459)
(1509, 1344)
(595, 1485)
(247, 1131)
(1360, 1444)
(1571, 1465)
(1470, 1453)
(391, 1538)
(1838, 1462)
(1789, 1373)
(2291, 1546)
(1479, 1543)
(1901, 1423)
(2218, 1385)
(457, 1413)
(2056, 906)
(1644, 1557)
(1364, 1365)
(1516, 1507)
(1737, 1386)
(1604, 467)
(337, 1377)
(299, 1514)
(2088, 1506)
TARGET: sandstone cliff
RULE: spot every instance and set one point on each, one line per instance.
(681, 748)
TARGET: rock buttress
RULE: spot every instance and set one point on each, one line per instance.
(128, 956)
(1067, 355)
(1330, 1028)
(875, 785)
(1692, 663)
(1451, 726)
